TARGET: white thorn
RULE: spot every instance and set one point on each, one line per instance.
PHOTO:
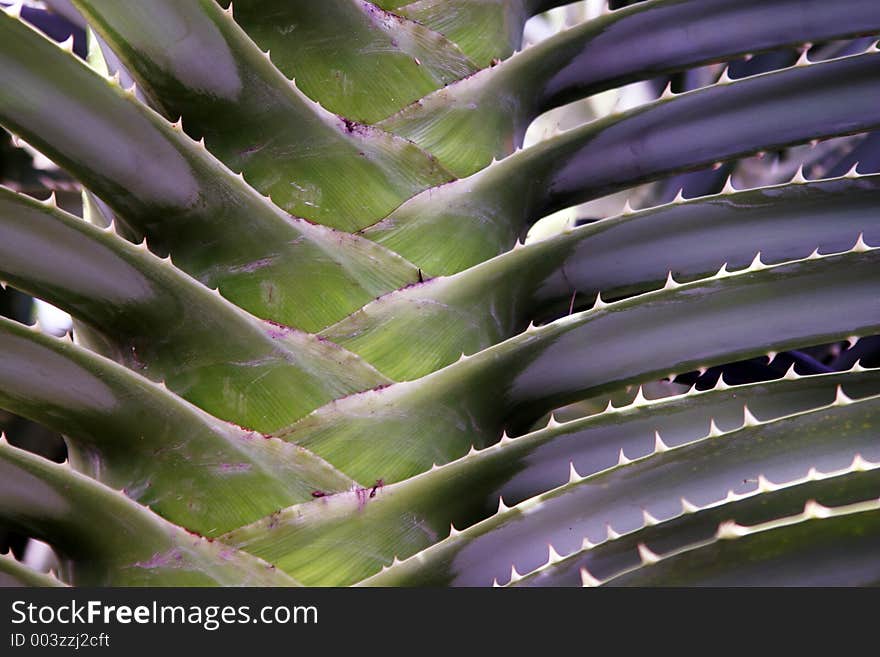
(639, 399)
(178, 125)
(714, 431)
(228, 10)
(730, 530)
(671, 283)
(502, 507)
(860, 246)
(749, 420)
(725, 76)
(648, 519)
(667, 92)
(599, 304)
(610, 533)
(505, 438)
(495, 584)
(757, 265)
(799, 178)
(790, 374)
(647, 556)
(722, 271)
(14, 10)
(688, 507)
(852, 341)
(812, 509)
(627, 208)
(841, 398)
(803, 60)
(813, 474)
(659, 445)
(587, 580)
(859, 464)
(453, 532)
(609, 407)
(552, 422)
(573, 476)
(815, 255)
(679, 198)
(587, 544)
(771, 355)
(731, 496)
(622, 458)
(553, 555)
(857, 367)
(514, 576)
(728, 186)
(765, 485)
(67, 44)
(51, 202)
(853, 172)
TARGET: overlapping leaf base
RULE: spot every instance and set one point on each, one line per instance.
(312, 349)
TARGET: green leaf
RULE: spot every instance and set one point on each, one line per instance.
(149, 315)
(414, 331)
(105, 539)
(485, 30)
(475, 218)
(352, 57)
(14, 573)
(163, 185)
(486, 116)
(768, 502)
(681, 328)
(345, 537)
(703, 472)
(818, 547)
(194, 61)
(200, 472)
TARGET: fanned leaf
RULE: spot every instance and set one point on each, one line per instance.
(106, 539)
(677, 329)
(352, 57)
(194, 61)
(475, 218)
(163, 185)
(353, 534)
(204, 474)
(414, 331)
(485, 116)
